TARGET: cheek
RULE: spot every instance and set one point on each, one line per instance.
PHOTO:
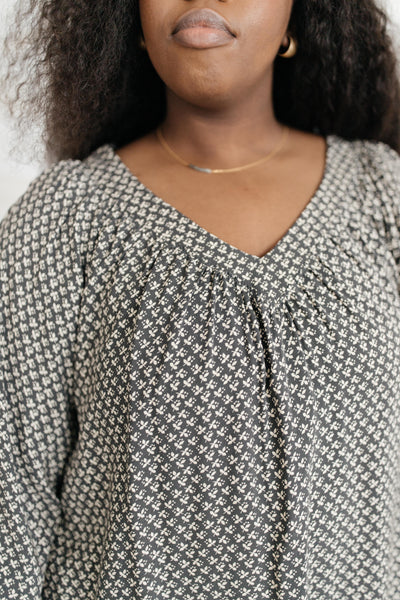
(153, 23)
(153, 19)
(268, 25)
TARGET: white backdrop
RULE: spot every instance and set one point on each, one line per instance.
(15, 177)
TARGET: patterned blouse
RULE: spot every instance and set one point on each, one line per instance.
(182, 420)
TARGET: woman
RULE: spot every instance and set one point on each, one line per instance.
(200, 367)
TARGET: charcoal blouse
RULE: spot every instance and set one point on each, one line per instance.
(182, 420)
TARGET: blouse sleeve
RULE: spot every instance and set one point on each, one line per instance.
(40, 286)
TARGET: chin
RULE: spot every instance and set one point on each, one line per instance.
(211, 96)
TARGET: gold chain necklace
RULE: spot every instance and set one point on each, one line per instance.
(285, 133)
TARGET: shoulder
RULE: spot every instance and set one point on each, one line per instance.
(47, 201)
(370, 169)
(373, 196)
(379, 166)
(47, 235)
(42, 212)
(380, 160)
(376, 160)
(63, 200)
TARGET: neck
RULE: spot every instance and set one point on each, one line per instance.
(221, 138)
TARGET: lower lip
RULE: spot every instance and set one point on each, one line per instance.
(202, 37)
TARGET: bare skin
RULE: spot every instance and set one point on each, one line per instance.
(220, 115)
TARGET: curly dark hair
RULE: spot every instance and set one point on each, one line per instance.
(77, 68)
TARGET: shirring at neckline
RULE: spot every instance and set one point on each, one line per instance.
(298, 241)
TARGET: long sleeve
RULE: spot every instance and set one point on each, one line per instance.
(40, 288)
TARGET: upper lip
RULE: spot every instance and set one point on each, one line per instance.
(202, 17)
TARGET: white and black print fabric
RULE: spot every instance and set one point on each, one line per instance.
(181, 420)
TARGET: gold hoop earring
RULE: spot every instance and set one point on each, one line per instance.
(290, 50)
(142, 43)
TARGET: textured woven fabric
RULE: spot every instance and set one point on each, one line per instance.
(182, 420)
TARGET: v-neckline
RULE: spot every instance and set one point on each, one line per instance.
(312, 206)
(166, 229)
